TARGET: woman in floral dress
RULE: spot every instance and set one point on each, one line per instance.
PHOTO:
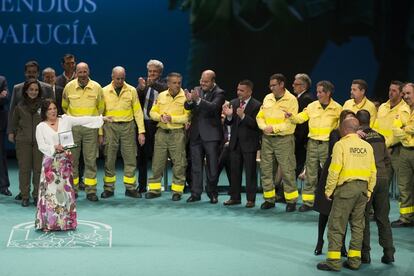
(56, 206)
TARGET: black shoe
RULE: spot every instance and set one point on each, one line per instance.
(399, 223)
(213, 199)
(106, 194)
(35, 201)
(387, 259)
(18, 197)
(92, 197)
(250, 204)
(267, 205)
(6, 192)
(290, 207)
(305, 208)
(193, 198)
(232, 202)
(318, 248)
(150, 195)
(25, 202)
(324, 266)
(133, 193)
(365, 258)
(347, 265)
(176, 197)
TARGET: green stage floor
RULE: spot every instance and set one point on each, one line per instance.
(124, 236)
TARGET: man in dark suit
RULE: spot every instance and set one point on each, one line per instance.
(206, 132)
(244, 142)
(69, 65)
(148, 90)
(49, 76)
(4, 177)
(301, 86)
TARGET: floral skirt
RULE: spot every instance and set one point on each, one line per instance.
(56, 206)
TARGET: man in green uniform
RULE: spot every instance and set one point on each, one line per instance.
(351, 179)
(169, 111)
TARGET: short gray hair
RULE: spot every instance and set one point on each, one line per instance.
(48, 70)
(305, 79)
(156, 63)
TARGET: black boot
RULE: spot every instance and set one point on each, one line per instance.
(318, 248)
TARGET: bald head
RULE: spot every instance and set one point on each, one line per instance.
(82, 73)
(349, 125)
(207, 81)
(118, 76)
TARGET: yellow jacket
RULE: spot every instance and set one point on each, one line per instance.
(166, 104)
(352, 159)
(83, 102)
(385, 119)
(364, 104)
(125, 107)
(321, 121)
(272, 113)
(405, 132)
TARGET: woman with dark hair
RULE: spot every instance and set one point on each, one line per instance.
(321, 204)
(25, 118)
(56, 207)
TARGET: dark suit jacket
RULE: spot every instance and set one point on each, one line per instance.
(245, 132)
(61, 80)
(160, 85)
(17, 95)
(3, 104)
(302, 130)
(58, 98)
(206, 116)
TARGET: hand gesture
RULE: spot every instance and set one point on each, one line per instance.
(59, 148)
(3, 94)
(141, 83)
(187, 95)
(195, 95)
(287, 114)
(101, 140)
(11, 137)
(268, 130)
(141, 139)
(107, 119)
(240, 112)
(227, 109)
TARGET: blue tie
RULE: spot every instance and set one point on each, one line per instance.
(150, 101)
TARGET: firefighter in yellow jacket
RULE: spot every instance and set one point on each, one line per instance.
(278, 142)
(359, 100)
(83, 97)
(405, 132)
(387, 112)
(323, 116)
(351, 180)
(122, 104)
(170, 138)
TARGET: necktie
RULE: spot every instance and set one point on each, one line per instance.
(242, 104)
(150, 101)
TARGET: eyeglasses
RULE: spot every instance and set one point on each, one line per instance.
(297, 84)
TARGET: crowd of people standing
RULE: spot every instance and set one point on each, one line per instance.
(346, 153)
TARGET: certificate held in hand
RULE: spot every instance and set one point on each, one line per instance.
(66, 140)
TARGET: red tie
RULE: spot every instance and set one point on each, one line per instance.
(242, 103)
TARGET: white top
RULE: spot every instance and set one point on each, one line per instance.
(47, 138)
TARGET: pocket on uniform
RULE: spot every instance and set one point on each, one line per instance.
(342, 192)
